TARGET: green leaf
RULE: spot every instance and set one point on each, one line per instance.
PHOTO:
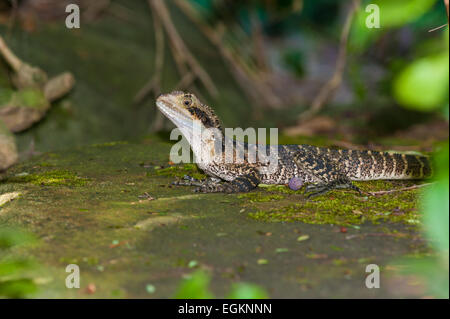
(11, 237)
(435, 204)
(423, 85)
(196, 287)
(12, 266)
(432, 270)
(247, 291)
(19, 288)
(395, 13)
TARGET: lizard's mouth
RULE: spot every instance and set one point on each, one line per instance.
(169, 107)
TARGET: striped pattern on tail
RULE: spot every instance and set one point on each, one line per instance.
(371, 165)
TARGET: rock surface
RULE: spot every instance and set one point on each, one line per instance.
(110, 209)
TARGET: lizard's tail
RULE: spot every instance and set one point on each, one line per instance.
(370, 165)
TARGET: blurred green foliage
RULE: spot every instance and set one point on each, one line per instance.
(13, 284)
(435, 209)
(423, 84)
(247, 291)
(294, 61)
(197, 287)
(436, 204)
(393, 14)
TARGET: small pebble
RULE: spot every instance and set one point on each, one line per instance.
(295, 183)
(91, 288)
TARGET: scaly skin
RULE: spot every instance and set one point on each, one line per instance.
(323, 169)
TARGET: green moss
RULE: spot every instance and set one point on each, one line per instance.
(31, 98)
(50, 178)
(45, 164)
(277, 188)
(260, 197)
(181, 170)
(5, 96)
(344, 207)
(109, 144)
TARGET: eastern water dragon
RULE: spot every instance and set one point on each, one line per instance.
(322, 169)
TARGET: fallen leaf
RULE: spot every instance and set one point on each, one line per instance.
(7, 197)
(262, 261)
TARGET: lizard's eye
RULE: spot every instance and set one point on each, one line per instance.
(187, 101)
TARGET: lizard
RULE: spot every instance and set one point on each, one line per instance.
(321, 169)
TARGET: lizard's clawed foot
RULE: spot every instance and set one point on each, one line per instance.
(188, 181)
(213, 186)
(209, 185)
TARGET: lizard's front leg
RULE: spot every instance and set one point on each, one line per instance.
(191, 181)
(244, 183)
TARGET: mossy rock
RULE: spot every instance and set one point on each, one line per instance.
(111, 209)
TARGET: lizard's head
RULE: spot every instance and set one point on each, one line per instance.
(183, 109)
(196, 121)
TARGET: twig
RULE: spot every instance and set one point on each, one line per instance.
(154, 84)
(187, 57)
(258, 91)
(446, 3)
(398, 189)
(185, 81)
(332, 85)
(437, 28)
(9, 56)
